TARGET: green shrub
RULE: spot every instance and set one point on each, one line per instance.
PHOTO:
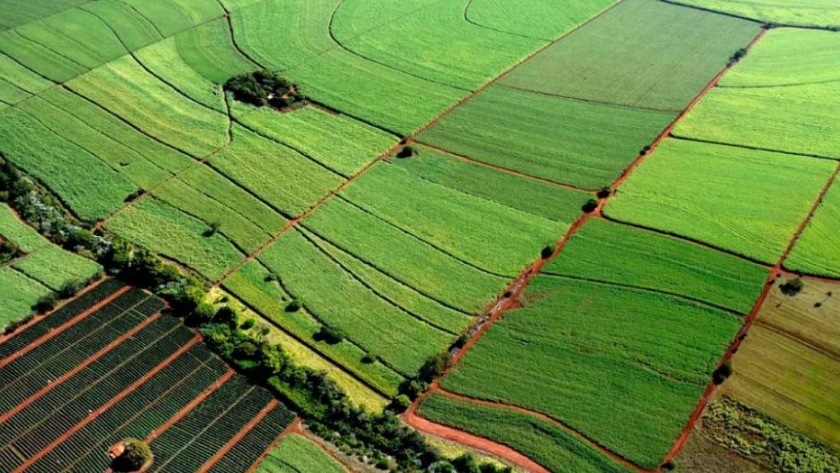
(792, 287)
(329, 335)
(45, 304)
(547, 252)
(434, 367)
(135, 456)
(590, 206)
(722, 373)
(294, 305)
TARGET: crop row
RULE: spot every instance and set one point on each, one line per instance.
(248, 450)
(296, 453)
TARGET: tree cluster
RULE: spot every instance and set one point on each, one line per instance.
(264, 88)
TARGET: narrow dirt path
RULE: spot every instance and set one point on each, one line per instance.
(57, 382)
(508, 299)
(90, 418)
(293, 427)
(57, 331)
(239, 436)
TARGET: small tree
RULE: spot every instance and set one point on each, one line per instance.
(723, 372)
(590, 206)
(214, 228)
(407, 152)
(434, 366)
(792, 287)
(401, 403)
(547, 252)
(604, 192)
(136, 455)
(294, 305)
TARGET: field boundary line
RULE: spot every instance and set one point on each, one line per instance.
(773, 86)
(547, 418)
(293, 427)
(470, 440)
(38, 318)
(752, 318)
(503, 169)
(688, 240)
(475, 23)
(689, 299)
(88, 361)
(746, 18)
(125, 392)
(190, 406)
(59, 330)
(245, 430)
(590, 101)
(797, 339)
(755, 148)
(516, 288)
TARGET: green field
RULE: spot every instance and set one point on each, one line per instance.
(795, 119)
(817, 250)
(819, 13)
(40, 270)
(788, 56)
(528, 195)
(556, 355)
(567, 141)
(296, 454)
(642, 53)
(533, 18)
(747, 202)
(15, 13)
(540, 440)
(620, 254)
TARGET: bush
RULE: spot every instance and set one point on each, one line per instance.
(462, 341)
(466, 463)
(370, 357)
(248, 324)
(723, 372)
(400, 404)
(294, 305)
(329, 335)
(70, 289)
(604, 192)
(590, 206)
(203, 314)
(136, 455)
(737, 56)
(547, 252)
(261, 88)
(792, 287)
(670, 465)
(407, 152)
(45, 304)
(214, 228)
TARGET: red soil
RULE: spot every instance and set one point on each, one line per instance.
(38, 318)
(239, 436)
(53, 333)
(107, 406)
(77, 368)
(186, 409)
(293, 427)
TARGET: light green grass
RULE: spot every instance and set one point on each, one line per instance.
(748, 202)
(396, 254)
(624, 367)
(54, 267)
(22, 77)
(497, 238)
(253, 286)
(528, 195)
(545, 19)
(537, 439)
(133, 29)
(67, 169)
(77, 35)
(797, 119)
(339, 300)
(296, 454)
(641, 53)
(16, 13)
(173, 16)
(338, 142)
(18, 293)
(123, 87)
(792, 12)
(572, 142)
(440, 45)
(25, 237)
(38, 58)
(818, 251)
(173, 234)
(210, 51)
(609, 252)
(787, 56)
(287, 180)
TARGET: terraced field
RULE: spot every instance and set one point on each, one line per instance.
(542, 229)
(108, 366)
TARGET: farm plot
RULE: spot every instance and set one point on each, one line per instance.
(371, 240)
(19, 294)
(737, 205)
(15, 13)
(337, 142)
(287, 180)
(142, 172)
(342, 302)
(820, 13)
(454, 222)
(172, 16)
(624, 255)
(209, 50)
(788, 56)
(642, 53)
(18, 82)
(518, 192)
(816, 251)
(162, 113)
(542, 441)
(803, 119)
(437, 43)
(657, 353)
(39, 59)
(258, 288)
(174, 234)
(542, 19)
(788, 365)
(296, 454)
(568, 141)
(394, 100)
(132, 28)
(63, 166)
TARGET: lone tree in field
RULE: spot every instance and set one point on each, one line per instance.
(723, 372)
(131, 455)
(792, 287)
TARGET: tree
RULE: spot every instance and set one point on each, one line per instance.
(434, 367)
(135, 456)
(723, 372)
(792, 287)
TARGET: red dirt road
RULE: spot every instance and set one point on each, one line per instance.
(293, 427)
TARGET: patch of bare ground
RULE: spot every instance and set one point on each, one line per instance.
(703, 455)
